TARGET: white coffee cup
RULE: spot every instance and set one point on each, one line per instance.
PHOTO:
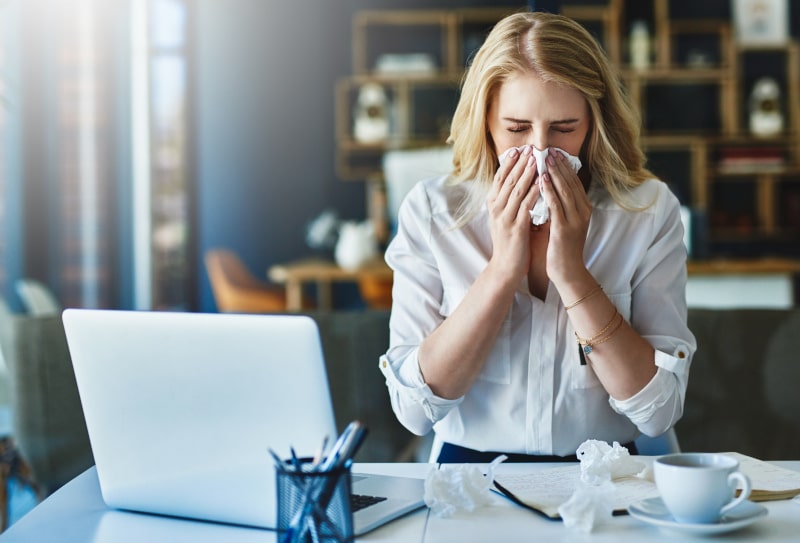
(699, 488)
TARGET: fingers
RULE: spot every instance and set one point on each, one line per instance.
(500, 176)
(566, 185)
(513, 180)
(529, 200)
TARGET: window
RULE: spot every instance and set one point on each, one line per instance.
(162, 208)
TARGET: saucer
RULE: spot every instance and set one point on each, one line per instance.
(653, 511)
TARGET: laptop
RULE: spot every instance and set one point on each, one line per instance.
(182, 408)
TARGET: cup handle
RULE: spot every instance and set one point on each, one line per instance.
(734, 479)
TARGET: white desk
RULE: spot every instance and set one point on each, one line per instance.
(76, 513)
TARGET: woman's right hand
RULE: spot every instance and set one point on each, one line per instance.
(509, 202)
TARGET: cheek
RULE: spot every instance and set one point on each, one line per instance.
(571, 143)
(505, 140)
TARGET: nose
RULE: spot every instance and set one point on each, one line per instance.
(538, 139)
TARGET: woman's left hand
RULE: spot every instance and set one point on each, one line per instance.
(570, 211)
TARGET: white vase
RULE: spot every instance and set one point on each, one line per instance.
(356, 245)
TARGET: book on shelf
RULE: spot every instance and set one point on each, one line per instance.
(742, 160)
(543, 491)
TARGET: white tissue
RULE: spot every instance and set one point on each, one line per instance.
(457, 488)
(601, 463)
(540, 213)
(588, 506)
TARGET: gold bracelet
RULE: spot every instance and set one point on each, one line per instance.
(610, 333)
(588, 344)
(591, 293)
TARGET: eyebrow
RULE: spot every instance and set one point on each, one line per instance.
(525, 121)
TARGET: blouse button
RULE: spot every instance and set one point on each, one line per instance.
(681, 354)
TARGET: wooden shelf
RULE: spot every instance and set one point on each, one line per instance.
(743, 266)
(717, 74)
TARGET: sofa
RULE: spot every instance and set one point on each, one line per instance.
(742, 393)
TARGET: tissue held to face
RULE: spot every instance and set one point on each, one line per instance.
(527, 110)
(540, 213)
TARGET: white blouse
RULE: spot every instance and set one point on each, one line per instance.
(533, 395)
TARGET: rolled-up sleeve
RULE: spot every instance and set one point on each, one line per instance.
(659, 405)
(414, 403)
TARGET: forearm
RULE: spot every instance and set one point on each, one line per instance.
(622, 360)
(452, 357)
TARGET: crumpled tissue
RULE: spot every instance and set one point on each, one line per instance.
(540, 213)
(588, 506)
(455, 488)
(601, 463)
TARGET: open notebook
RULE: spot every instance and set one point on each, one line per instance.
(543, 491)
(182, 408)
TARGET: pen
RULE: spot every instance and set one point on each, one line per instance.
(295, 461)
(320, 495)
(335, 457)
(276, 458)
(351, 445)
(320, 454)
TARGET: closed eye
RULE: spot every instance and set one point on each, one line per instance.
(518, 129)
(564, 127)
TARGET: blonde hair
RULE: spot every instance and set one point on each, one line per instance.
(559, 50)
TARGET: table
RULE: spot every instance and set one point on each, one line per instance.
(724, 284)
(76, 513)
(324, 273)
(718, 283)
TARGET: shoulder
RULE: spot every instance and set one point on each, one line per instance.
(651, 196)
(434, 196)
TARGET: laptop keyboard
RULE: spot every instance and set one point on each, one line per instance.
(360, 501)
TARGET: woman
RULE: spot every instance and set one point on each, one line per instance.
(527, 340)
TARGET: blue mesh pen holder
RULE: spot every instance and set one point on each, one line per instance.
(313, 506)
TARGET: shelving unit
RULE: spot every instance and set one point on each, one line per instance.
(693, 98)
(740, 204)
(422, 101)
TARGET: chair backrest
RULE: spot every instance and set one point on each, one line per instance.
(666, 443)
(403, 168)
(37, 298)
(5, 380)
(48, 423)
(236, 290)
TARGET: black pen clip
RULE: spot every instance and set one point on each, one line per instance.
(580, 353)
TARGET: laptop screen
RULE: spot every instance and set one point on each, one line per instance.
(181, 408)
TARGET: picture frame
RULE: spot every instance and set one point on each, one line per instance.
(761, 22)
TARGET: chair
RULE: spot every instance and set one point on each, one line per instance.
(12, 466)
(666, 443)
(236, 290)
(376, 292)
(37, 298)
(48, 424)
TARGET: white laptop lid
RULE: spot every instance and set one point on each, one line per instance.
(181, 408)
